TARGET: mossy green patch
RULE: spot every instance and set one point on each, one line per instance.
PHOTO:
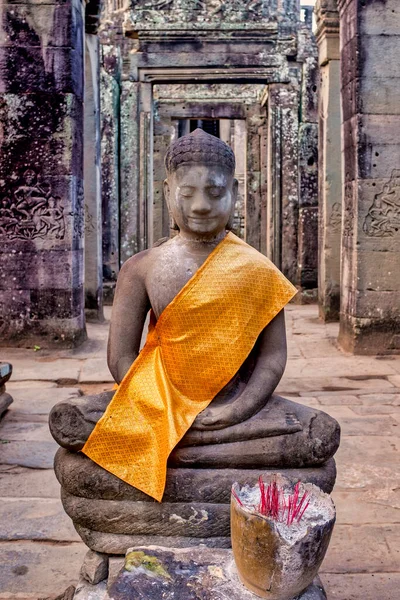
(138, 558)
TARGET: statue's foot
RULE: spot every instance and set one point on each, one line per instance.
(270, 421)
(283, 434)
(72, 422)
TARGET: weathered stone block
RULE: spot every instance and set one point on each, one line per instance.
(65, 75)
(28, 24)
(59, 271)
(95, 567)
(34, 145)
(380, 19)
(308, 247)
(308, 164)
(366, 336)
(309, 90)
(39, 114)
(189, 574)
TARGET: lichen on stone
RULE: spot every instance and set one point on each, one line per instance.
(138, 559)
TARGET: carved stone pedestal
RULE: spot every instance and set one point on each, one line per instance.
(112, 516)
(160, 573)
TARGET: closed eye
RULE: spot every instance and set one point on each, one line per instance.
(216, 191)
(186, 191)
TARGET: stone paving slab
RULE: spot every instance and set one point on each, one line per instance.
(363, 549)
(332, 385)
(362, 508)
(361, 449)
(378, 425)
(362, 586)
(30, 384)
(383, 409)
(35, 455)
(380, 399)
(35, 519)
(343, 367)
(41, 401)
(35, 570)
(339, 400)
(24, 431)
(367, 476)
(58, 370)
(95, 370)
(21, 482)
(394, 380)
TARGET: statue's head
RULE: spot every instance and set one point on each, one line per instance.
(200, 188)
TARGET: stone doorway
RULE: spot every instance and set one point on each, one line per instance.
(228, 111)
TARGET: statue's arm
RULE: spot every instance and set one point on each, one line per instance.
(130, 307)
(268, 371)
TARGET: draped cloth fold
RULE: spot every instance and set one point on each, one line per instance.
(197, 345)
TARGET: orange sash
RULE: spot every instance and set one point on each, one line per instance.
(197, 345)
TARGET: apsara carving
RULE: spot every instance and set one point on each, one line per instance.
(383, 217)
(31, 211)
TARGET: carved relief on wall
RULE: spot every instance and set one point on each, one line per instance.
(79, 213)
(243, 92)
(202, 13)
(30, 211)
(335, 220)
(383, 217)
(348, 214)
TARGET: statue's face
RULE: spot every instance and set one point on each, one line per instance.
(201, 198)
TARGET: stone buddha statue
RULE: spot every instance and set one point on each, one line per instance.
(204, 381)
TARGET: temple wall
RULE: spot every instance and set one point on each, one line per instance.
(41, 180)
(370, 83)
(330, 161)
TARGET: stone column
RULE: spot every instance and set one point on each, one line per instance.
(92, 179)
(146, 135)
(136, 168)
(330, 160)
(283, 178)
(370, 85)
(129, 165)
(253, 209)
(307, 262)
(110, 117)
(41, 174)
(164, 131)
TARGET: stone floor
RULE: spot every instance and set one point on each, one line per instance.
(41, 552)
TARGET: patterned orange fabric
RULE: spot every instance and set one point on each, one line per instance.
(194, 349)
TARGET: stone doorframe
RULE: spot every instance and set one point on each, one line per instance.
(216, 101)
(272, 185)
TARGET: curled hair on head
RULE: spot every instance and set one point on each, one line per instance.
(199, 147)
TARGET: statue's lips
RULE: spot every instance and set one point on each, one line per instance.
(201, 219)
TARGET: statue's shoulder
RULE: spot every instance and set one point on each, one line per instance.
(136, 266)
(141, 264)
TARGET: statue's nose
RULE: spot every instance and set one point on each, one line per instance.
(201, 205)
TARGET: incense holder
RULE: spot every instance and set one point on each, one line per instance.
(280, 536)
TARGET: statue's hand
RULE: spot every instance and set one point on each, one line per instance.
(218, 418)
